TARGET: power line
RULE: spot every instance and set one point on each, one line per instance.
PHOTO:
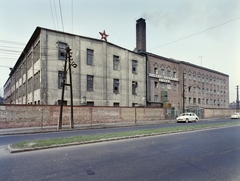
(61, 14)
(12, 42)
(196, 33)
(52, 14)
(56, 14)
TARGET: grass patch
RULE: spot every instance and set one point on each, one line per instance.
(97, 137)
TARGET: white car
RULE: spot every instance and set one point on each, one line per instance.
(187, 117)
(235, 116)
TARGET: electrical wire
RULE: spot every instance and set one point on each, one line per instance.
(203, 31)
(61, 14)
(52, 14)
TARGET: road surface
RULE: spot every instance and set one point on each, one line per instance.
(199, 155)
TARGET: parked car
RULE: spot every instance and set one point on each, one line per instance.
(187, 117)
(235, 116)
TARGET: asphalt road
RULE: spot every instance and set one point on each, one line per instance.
(199, 155)
(10, 139)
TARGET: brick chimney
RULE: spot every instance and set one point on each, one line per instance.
(141, 34)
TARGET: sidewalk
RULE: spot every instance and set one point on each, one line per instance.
(45, 129)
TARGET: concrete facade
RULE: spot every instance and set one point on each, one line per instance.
(35, 77)
(112, 76)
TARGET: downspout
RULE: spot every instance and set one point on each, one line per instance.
(146, 55)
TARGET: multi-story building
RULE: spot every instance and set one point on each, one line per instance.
(109, 75)
(105, 75)
(200, 88)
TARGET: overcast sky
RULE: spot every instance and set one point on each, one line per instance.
(205, 33)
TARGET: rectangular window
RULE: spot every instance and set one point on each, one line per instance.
(202, 79)
(155, 98)
(199, 78)
(184, 75)
(60, 79)
(194, 77)
(199, 100)
(90, 82)
(29, 61)
(62, 50)
(168, 73)
(116, 86)
(29, 84)
(162, 72)
(169, 86)
(194, 89)
(134, 66)
(156, 84)
(116, 104)
(36, 52)
(89, 57)
(174, 86)
(194, 100)
(37, 80)
(155, 70)
(115, 62)
(134, 87)
(189, 100)
(189, 76)
(175, 74)
(203, 101)
(162, 85)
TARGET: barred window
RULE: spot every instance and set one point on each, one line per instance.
(90, 82)
(60, 79)
(134, 66)
(134, 87)
(116, 86)
(115, 62)
(62, 50)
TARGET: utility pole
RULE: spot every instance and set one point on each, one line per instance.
(183, 94)
(237, 105)
(70, 63)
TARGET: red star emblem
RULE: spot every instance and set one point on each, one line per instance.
(104, 35)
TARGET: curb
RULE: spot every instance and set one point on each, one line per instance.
(16, 150)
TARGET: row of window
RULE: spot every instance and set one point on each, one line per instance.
(164, 85)
(207, 91)
(90, 55)
(203, 79)
(90, 83)
(162, 72)
(204, 101)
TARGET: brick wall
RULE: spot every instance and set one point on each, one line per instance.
(13, 116)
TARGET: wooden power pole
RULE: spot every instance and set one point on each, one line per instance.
(70, 64)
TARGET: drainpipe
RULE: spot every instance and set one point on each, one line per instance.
(146, 55)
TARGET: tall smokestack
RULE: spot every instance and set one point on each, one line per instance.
(141, 34)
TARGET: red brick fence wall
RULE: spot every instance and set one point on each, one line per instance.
(13, 116)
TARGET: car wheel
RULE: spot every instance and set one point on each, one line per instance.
(196, 120)
(186, 120)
